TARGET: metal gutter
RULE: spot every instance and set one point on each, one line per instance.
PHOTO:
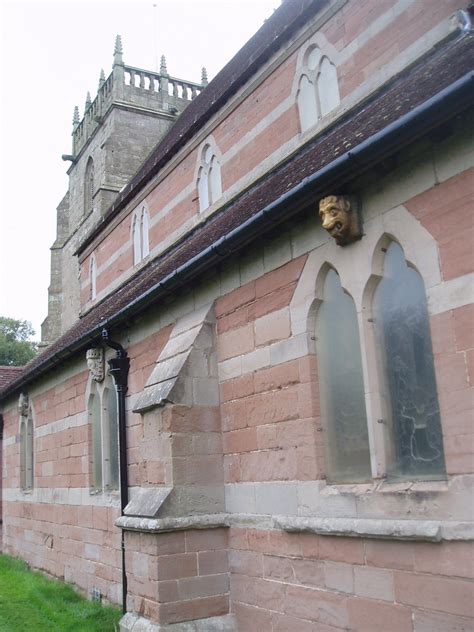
(440, 108)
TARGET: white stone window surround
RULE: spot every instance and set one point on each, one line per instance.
(315, 86)
(89, 186)
(360, 267)
(27, 438)
(208, 174)
(140, 233)
(93, 278)
(100, 390)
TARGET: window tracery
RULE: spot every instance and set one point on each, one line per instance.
(209, 181)
(403, 419)
(318, 89)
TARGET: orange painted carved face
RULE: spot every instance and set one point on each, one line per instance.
(335, 215)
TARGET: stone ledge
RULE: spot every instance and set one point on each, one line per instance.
(414, 530)
(182, 523)
(422, 530)
(134, 623)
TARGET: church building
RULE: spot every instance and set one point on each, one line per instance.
(253, 406)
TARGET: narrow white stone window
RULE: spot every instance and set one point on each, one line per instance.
(89, 187)
(26, 450)
(95, 421)
(409, 395)
(93, 278)
(145, 233)
(141, 235)
(209, 182)
(318, 89)
(103, 418)
(341, 384)
(137, 251)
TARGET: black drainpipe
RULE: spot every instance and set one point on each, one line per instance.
(118, 369)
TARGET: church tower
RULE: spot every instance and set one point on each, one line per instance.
(133, 110)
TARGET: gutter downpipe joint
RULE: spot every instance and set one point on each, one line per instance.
(118, 369)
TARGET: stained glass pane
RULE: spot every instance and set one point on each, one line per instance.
(341, 386)
(402, 326)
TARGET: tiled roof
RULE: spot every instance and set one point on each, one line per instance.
(8, 374)
(436, 72)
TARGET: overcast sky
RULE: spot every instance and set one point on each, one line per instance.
(51, 56)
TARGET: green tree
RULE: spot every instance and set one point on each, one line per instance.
(15, 348)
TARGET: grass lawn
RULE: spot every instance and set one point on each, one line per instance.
(30, 601)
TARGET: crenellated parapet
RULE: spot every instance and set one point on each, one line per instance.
(133, 87)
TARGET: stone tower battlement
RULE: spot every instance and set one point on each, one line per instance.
(133, 110)
(156, 91)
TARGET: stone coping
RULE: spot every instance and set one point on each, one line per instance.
(385, 529)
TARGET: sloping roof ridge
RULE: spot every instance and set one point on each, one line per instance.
(288, 17)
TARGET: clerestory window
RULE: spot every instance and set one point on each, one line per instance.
(140, 235)
(93, 278)
(89, 187)
(209, 182)
(318, 89)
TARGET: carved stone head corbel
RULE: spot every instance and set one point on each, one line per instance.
(95, 363)
(340, 217)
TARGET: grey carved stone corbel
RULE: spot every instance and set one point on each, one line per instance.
(95, 363)
(23, 405)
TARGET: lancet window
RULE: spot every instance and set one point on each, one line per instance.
(341, 385)
(89, 187)
(140, 235)
(103, 420)
(380, 415)
(405, 356)
(93, 278)
(318, 89)
(26, 446)
(209, 181)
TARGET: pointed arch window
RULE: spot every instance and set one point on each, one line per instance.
(318, 89)
(209, 182)
(103, 419)
(26, 450)
(93, 278)
(406, 358)
(141, 235)
(343, 411)
(89, 187)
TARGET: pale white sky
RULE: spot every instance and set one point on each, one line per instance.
(51, 56)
